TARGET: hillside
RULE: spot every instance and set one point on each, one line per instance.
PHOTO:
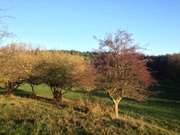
(26, 116)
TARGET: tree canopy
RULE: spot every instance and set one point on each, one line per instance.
(123, 71)
(15, 65)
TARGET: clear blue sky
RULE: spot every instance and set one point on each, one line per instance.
(71, 24)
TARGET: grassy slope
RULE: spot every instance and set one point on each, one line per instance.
(26, 116)
(158, 116)
(168, 89)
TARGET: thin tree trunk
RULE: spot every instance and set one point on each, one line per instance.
(33, 91)
(116, 107)
(60, 96)
(9, 88)
(116, 110)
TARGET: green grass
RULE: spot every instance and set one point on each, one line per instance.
(23, 116)
(155, 116)
(41, 90)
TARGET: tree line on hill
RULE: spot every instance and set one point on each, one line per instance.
(116, 67)
(162, 67)
(165, 67)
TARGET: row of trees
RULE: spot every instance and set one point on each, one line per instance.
(116, 67)
(60, 71)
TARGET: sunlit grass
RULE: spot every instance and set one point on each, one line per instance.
(156, 112)
(27, 116)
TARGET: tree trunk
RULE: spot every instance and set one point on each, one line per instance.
(57, 95)
(33, 91)
(8, 92)
(60, 96)
(116, 107)
(9, 88)
(116, 110)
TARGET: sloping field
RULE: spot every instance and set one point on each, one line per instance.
(26, 116)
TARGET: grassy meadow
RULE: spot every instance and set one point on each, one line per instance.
(26, 116)
(60, 75)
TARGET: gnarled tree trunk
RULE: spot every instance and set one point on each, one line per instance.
(57, 95)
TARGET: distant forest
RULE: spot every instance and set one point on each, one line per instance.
(162, 67)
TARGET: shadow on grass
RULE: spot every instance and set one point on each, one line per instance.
(22, 93)
(150, 110)
(81, 91)
(167, 89)
(96, 93)
(18, 92)
(99, 93)
(1, 91)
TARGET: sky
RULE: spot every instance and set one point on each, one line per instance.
(71, 24)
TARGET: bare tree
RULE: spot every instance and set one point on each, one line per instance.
(123, 71)
(3, 32)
